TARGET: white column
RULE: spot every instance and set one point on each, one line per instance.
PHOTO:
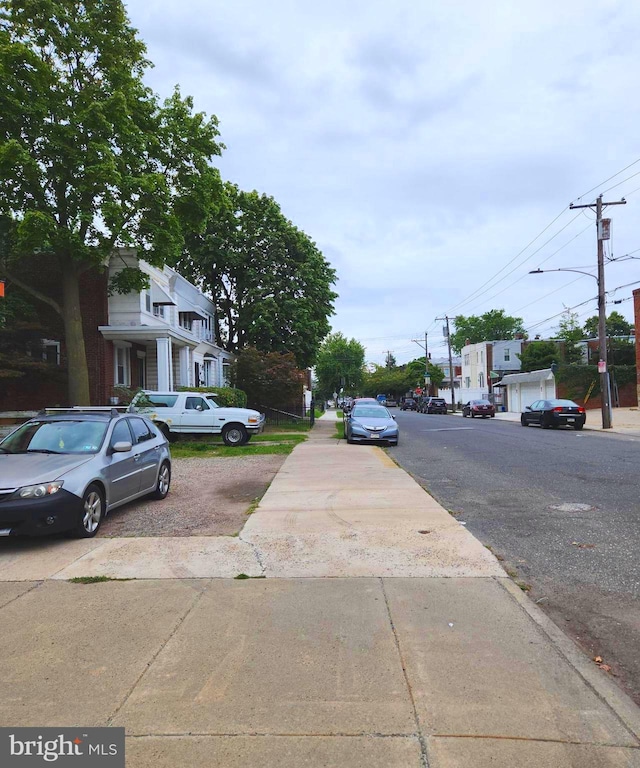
(170, 365)
(185, 367)
(163, 352)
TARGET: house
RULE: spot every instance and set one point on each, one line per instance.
(444, 390)
(485, 363)
(158, 338)
(162, 337)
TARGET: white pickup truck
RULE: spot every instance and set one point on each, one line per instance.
(197, 413)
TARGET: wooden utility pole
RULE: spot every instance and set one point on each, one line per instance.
(451, 372)
(605, 387)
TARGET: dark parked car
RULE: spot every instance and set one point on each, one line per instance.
(66, 471)
(554, 413)
(370, 422)
(433, 405)
(478, 408)
(409, 404)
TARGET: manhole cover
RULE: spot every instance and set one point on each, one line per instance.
(570, 506)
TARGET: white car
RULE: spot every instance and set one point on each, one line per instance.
(197, 413)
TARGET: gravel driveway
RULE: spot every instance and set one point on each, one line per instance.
(208, 497)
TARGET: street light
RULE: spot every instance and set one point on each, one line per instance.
(605, 393)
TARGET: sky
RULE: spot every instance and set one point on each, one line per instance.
(430, 150)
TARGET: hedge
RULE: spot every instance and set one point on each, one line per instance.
(578, 378)
(225, 396)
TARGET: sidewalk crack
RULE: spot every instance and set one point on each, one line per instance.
(423, 742)
(163, 645)
(256, 552)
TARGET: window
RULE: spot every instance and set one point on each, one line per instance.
(507, 355)
(122, 366)
(185, 321)
(142, 369)
(482, 355)
(467, 382)
(147, 300)
(196, 404)
(51, 352)
(158, 310)
(121, 433)
(481, 379)
(141, 431)
(225, 372)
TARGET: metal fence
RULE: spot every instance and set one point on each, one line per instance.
(287, 415)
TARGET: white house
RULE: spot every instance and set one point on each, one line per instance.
(485, 363)
(162, 337)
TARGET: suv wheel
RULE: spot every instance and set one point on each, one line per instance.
(90, 515)
(164, 481)
(234, 435)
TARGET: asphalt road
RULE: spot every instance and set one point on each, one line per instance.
(561, 509)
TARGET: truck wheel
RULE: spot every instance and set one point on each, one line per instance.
(171, 438)
(234, 435)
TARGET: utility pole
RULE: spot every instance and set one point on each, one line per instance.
(426, 361)
(605, 387)
(451, 372)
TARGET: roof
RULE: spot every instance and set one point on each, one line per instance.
(546, 374)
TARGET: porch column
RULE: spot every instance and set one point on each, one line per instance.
(185, 367)
(163, 353)
(170, 364)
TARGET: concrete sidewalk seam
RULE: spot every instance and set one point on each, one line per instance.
(77, 559)
(269, 735)
(163, 645)
(22, 594)
(535, 740)
(605, 689)
(421, 738)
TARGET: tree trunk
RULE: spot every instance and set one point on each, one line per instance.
(77, 369)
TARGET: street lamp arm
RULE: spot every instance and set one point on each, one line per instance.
(562, 269)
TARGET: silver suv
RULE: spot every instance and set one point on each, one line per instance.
(65, 471)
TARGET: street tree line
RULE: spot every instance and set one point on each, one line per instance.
(91, 160)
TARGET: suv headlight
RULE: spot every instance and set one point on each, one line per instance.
(38, 491)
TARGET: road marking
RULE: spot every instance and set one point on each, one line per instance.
(449, 429)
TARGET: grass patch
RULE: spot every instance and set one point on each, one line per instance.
(242, 576)
(94, 579)
(317, 413)
(254, 505)
(339, 414)
(291, 437)
(209, 450)
(294, 426)
(339, 434)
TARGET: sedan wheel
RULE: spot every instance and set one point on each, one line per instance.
(164, 481)
(578, 427)
(523, 421)
(91, 514)
(545, 422)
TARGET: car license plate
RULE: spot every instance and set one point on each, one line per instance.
(570, 418)
(375, 437)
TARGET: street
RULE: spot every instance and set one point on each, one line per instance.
(560, 508)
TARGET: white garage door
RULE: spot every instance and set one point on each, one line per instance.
(529, 393)
(550, 389)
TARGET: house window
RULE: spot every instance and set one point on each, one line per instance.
(481, 380)
(147, 300)
(225, 372)
(51, 352)
(482, 356)
(158, 310)
(466, 359)
(507, 355)
(185, 321)
(467, 382)
(122, 366)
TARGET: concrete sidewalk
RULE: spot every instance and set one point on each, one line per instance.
(385, 635)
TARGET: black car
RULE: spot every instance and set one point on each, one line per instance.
(409, 404)
(554, 413)
(433, 405)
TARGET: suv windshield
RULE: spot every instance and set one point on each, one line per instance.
(56, 437)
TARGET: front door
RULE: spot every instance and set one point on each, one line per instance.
(146, 452)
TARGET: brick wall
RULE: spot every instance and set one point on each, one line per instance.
(636, 314)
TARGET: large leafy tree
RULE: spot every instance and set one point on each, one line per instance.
(538, 355)
(89, 157)
(417, 372)
(269, 379)
(271, 285)
(387, 381)
(494, 325)
(339, 366)
(570, 332)
(616, 326)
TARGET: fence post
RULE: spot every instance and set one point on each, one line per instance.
(312, 412)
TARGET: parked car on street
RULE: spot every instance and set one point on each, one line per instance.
(433, 405)
(370, 422)
(197, 413)
(482, 408)
(391, 402)
(554, 413)
(409, 404)
(66, 469)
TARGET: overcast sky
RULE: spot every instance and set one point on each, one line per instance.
(423, 145)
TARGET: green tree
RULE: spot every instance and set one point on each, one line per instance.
(271, 285)
(615, 323)
(570, 332)
(390, 361)
(89, 157)
(538, 355)
(339, 365)
(494, 325)
(416, 370)
(270, 379)
(388, 381)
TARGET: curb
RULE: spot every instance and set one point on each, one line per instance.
(618, 701)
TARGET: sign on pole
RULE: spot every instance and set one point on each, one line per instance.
(602, 366)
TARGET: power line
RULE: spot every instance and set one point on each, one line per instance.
(626, 168)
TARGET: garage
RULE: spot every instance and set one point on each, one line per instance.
(525, 388)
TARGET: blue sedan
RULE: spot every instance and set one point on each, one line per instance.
(371, 423)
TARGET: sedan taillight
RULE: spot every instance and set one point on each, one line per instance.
(581, 409)
(558, 409)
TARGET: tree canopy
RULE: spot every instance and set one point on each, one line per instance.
(269, 379)
(90, 158)
(538, 355)
(494, 325)
(339, 366)
(570, 332)
(616, 326)
(271, 285)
